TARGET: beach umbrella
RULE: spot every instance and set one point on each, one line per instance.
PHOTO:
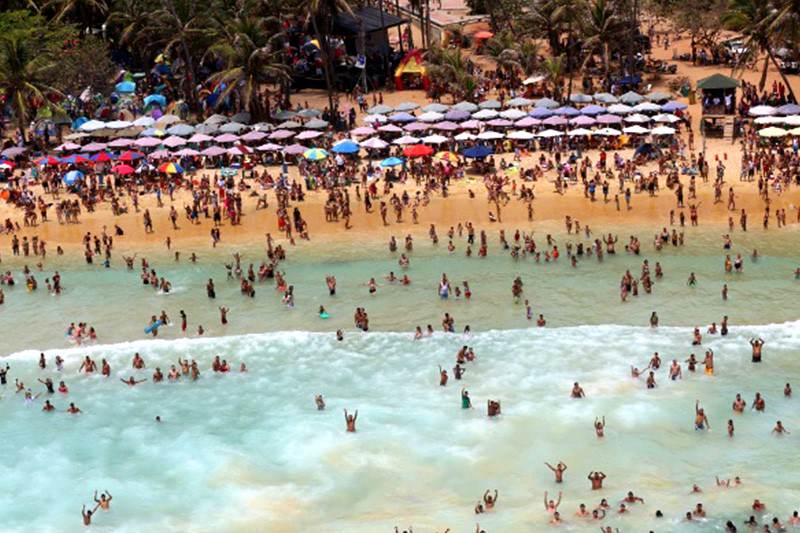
(306, 113)
(457, 114)
(435, 139)
(469, 107)
(671, 107)
(540, 113)
(406, 106)
(345, 147)
(789, 109)
(213, 151)
(232, 127)
(406, 139)
(262, 126)
(620, 109)
(579, 132)
(549, 134)
(484, 114)
(580, 98)
(416, 126)
(566, 111)
(770, 120)
(446, 156)
(155, 99)
(6, 165)
(187, 152)
(283, 115)
(490, 136)
(238, 150)
(125, 87)
(520, 135)
(605, 98)
(582, 120)
(101, 157)
(288, 125)
(15, 151)
(173, 141)
(47, 160)
(92, 125)
(226, 138)
(636, 130)
(362, 130)
(216, 118)
(152, 132)
(477, 152)
(118, 124)
(147, 142)
(72, 177)
(120, 143)
(436, 108)
(430, 116)
(66, 147)
(592, 110)
(379, 109)
(663, 130)
(657, 97)
(546, 103)
(637, 118)
(165, 120)
(631, 98)
(158, 154)
(519, 102)
(762, 110)
(513, 114)
(181, 130)
(609, 119)
(123, 169)
(499, 123)
(772, 132)
(794, 131)
(665, 117)
(402, 117)
(295, 149)
(242, 117)
(608, 132)
(390, 128)
(200, 138)
(316, 124)
(269, 147)
(144, 122)
(417, 150)
(74, 160)
(374, 143)
(374, 119)
(792, 120)
(206, 129)
(647, 107)
(555, 121)
(170, 168)
(315, 154)
(465, 136)
(78, 122)
(392, 162)
(253, 136)
(446, 126)
(280, 135)
(490, 104)
(527, 122)
(130, 156)
(306, 135)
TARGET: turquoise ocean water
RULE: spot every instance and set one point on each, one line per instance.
(250, 451)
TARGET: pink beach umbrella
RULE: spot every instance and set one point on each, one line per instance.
(159, 154)
(362, 130)
(147, 142)
(226, 138)
(172, 141)
(269, 147)
(213, 151)
(187, 152)
(200, 138)
(280, 135)
(120, 143)
(308, 134)
(253, 136)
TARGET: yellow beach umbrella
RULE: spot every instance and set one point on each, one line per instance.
(772, 131)
(446, 156)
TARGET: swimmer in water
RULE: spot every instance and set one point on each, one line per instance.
(596, 478)
(558, 470)
(105, 500)
(700, 418)
(551, 506)
(320, 401)
(599, 427)
(350, 420)
(577, 391)
(131, 382)
(757, 345)
(489, 501)
(87, 515)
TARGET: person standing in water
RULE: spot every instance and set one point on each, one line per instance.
(350, 421)
(558, 470)
(700, 418)
(757, 345)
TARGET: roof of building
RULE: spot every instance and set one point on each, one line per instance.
(370, 17)
(717, 81)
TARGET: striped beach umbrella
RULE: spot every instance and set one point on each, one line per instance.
(315, 154)
(170, 168)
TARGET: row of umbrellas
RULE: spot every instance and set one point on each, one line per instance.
(630, 98)
(768, 110)
(773, 131)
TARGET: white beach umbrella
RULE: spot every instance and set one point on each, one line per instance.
(792, 120)
(521, 135)
(430, 116)
(762, 110)
(770, 120)
(620, 109)
(636, 130)
(637, 118)
(465, 136)
(608, 132)
(406, 139)
(666, 117)
(374, 143)
(663, 130)
(435, 139)
(549, 134)
(772, 131)
(490, 135)
(484, 114)
(579, 132)
(513, 114)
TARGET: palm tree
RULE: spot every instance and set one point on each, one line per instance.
(568, 15)
(503, 49)
(601, 28)
(554, 73)
(756, 20)
(542, 21)
(23, 71)
(322, 14)
(84, 12)
(250, 49)
(132, 18)
(450, 66)
(183, 26)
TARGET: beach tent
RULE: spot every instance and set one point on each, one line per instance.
(411, 67)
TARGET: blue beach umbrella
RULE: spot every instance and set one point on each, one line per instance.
(78, 122)
(478, 151)
(346, 147)
(155, 99)
(392, 162)
(125, 87)
(72, 177)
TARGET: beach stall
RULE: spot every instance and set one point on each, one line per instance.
(718, 102)
(411, 72)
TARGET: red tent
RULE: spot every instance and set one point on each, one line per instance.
(411, 72)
